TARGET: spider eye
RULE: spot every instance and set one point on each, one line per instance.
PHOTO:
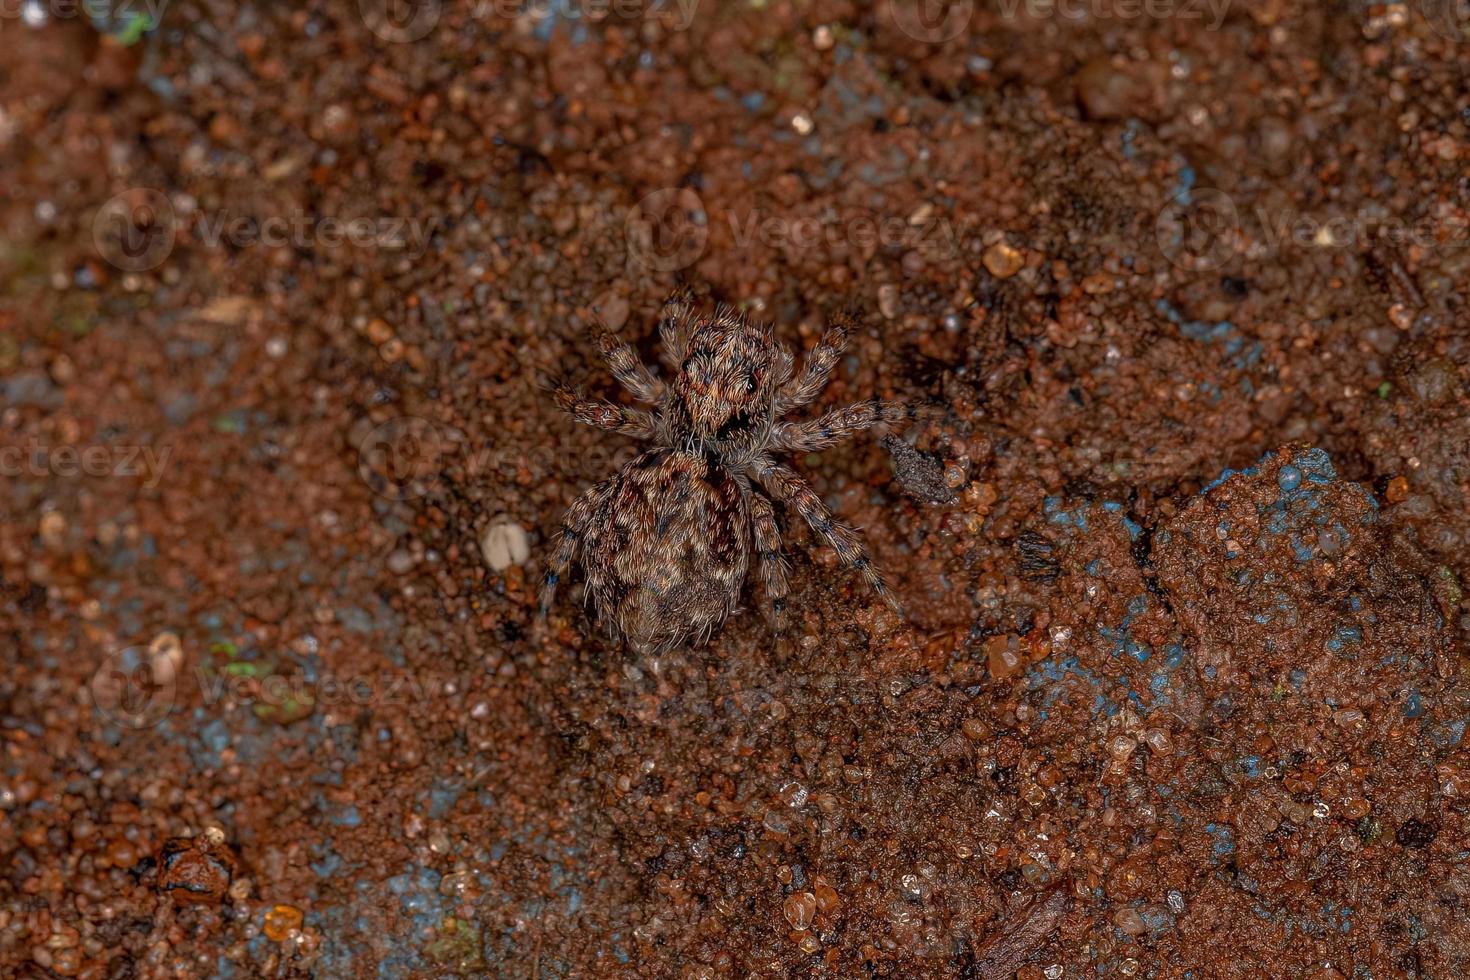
(750, 382)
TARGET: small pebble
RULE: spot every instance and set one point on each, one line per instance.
(166, 652)
(1003, 656)
(1158, 741)
(800, 908)
(826, 896)
(196, 869)
(63, 371)
(53, 530)
(1003, 260)
(888, 301)
(1105, 91)
(776, 823)
(281, 921)
(1120, 747)
(794, 795)
(379, 332)
(504, 544)
(1415, 833)
(613, 307)
(921, 475)
(1130, 921)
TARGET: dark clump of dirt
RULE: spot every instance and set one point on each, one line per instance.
(1179, 689)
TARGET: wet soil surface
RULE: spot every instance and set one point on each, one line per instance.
(1179, 690)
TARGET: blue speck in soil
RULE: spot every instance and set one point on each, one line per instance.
(442, 797)
(1447, 735)
(1224, 839)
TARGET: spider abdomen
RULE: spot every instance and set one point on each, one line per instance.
(667, 551)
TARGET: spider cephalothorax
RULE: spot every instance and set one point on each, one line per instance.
(729, 371)
(667, 541)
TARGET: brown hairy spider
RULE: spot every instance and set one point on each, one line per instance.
(666, 542)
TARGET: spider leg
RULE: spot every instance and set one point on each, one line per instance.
(785, 485)
(573, 527)
(817, 369)
(603, 414)
(768, 550)
(840, 424)
(632, 373)
(673, 326)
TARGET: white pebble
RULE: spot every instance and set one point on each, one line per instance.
(504, 544)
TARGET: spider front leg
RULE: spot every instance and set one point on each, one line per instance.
(573, 529)
(785, 485)
(817, 369)
(673, 326)
(632, 373)
(602, 414)
(842, 423)
(768, 551)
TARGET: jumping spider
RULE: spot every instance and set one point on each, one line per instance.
(666, 542)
